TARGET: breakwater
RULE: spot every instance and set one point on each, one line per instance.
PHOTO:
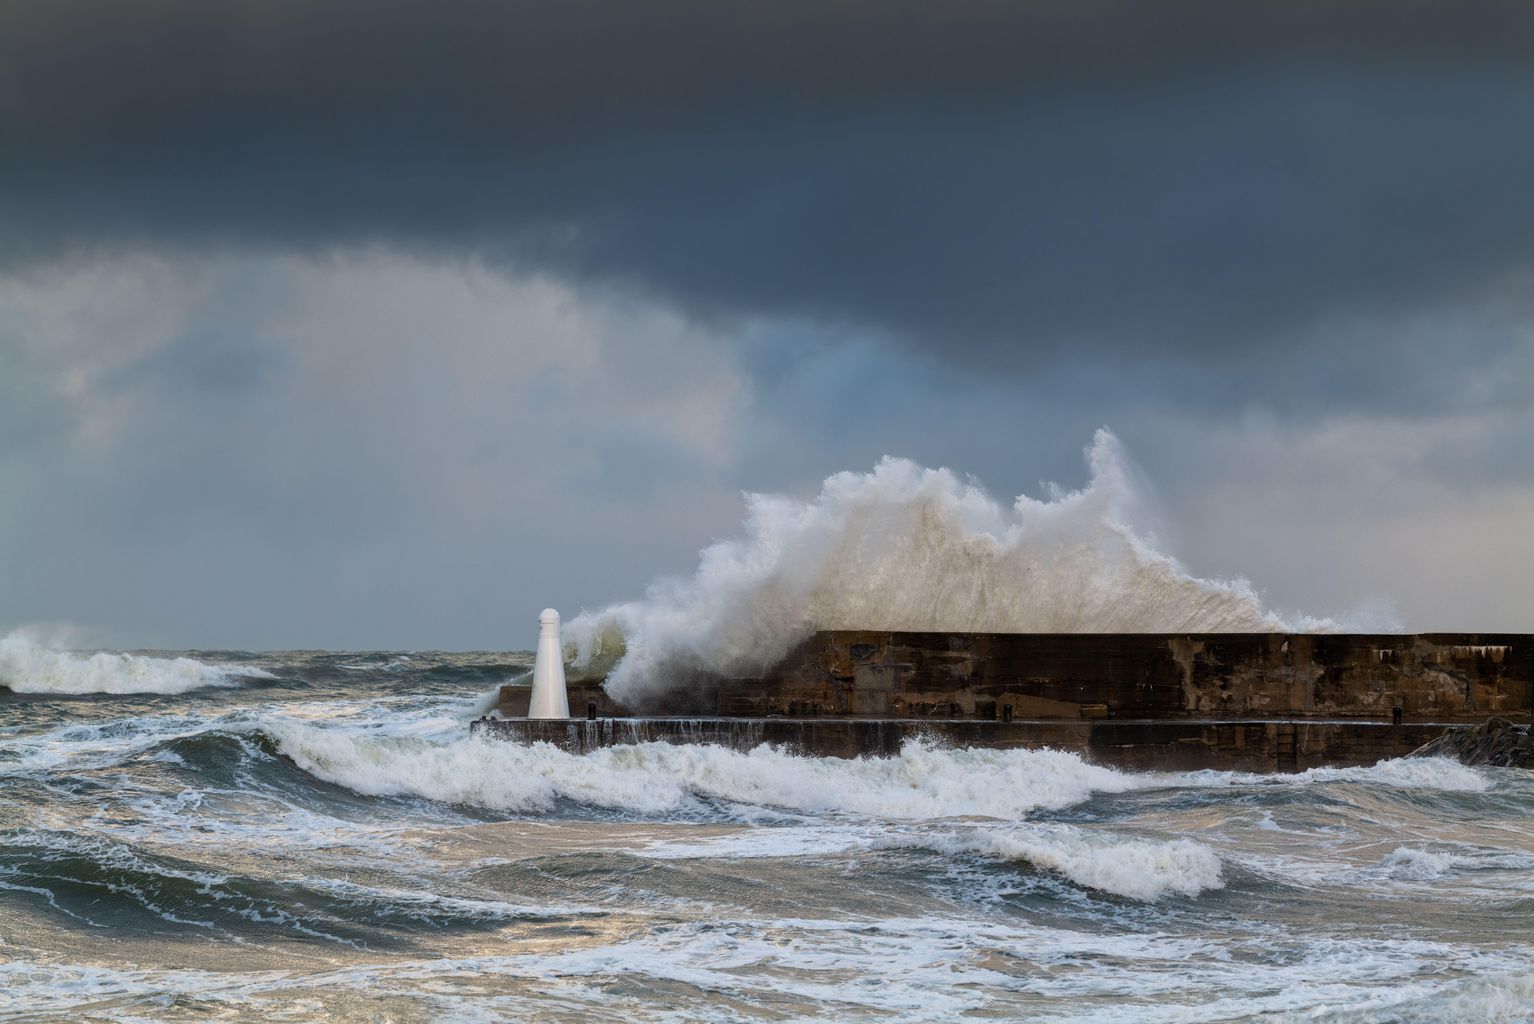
(1250, 701)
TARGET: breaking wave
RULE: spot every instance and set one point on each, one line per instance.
(909, 548)
(651, 778)
(332, 840)
(1415, 864)
(1435, 773)
(1438, 774)
(921, 784)
(1495, 999)
(27, 666)
(1140, 869)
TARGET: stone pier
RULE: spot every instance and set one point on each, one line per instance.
(1261, 702)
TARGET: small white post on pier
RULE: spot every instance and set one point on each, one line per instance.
(549, 699)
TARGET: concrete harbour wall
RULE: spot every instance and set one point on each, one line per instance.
(1260, 702)
(1444, 677)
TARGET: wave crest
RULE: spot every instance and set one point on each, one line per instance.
(657, 778)
(1133, 867)
(27, 666)
(1140, 869)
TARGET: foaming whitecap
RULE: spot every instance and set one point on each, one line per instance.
(212, 840)
(1141, 869)
(1433, 774)
(922, 782)
(1137, 868)
(27, 666)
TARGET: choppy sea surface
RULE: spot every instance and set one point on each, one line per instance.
(314, 836)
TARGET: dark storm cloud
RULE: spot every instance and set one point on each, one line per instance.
(983, 179)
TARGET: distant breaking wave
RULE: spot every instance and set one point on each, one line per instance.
(1140, 869)
(27, 666)
(910, 548)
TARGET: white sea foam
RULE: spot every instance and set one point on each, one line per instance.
(1498, 999)
(1438, 774)
(82, 746)
(905, 969)
(27, 666)
(1435, 773)
(757, 843)
(1419, 865)
(922, 782)
(908, 548)
(1141, 869)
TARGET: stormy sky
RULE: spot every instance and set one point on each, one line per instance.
(374, 324)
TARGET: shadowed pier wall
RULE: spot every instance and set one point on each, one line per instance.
(1444, 677)
(1240, 700)
(1146, 744)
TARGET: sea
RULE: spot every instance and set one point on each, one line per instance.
(316, 836)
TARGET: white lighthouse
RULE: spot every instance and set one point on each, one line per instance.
(549, 699)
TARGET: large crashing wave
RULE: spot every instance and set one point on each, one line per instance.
(909, 548)
(27, 666)
(657, 778)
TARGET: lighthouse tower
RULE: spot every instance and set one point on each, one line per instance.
(549, 699)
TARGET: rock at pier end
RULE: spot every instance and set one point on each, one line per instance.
(1497, 743)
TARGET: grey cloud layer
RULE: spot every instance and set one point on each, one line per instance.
(373, 451)
(373, 323)
(369, 451)
(996, 181)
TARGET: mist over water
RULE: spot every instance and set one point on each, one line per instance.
(315, 835)
(909, 548)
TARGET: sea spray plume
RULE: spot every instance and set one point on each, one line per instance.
(910, 548)
(28, 665)
(487, 702)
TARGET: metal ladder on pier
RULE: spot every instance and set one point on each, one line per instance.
(1285, 755)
